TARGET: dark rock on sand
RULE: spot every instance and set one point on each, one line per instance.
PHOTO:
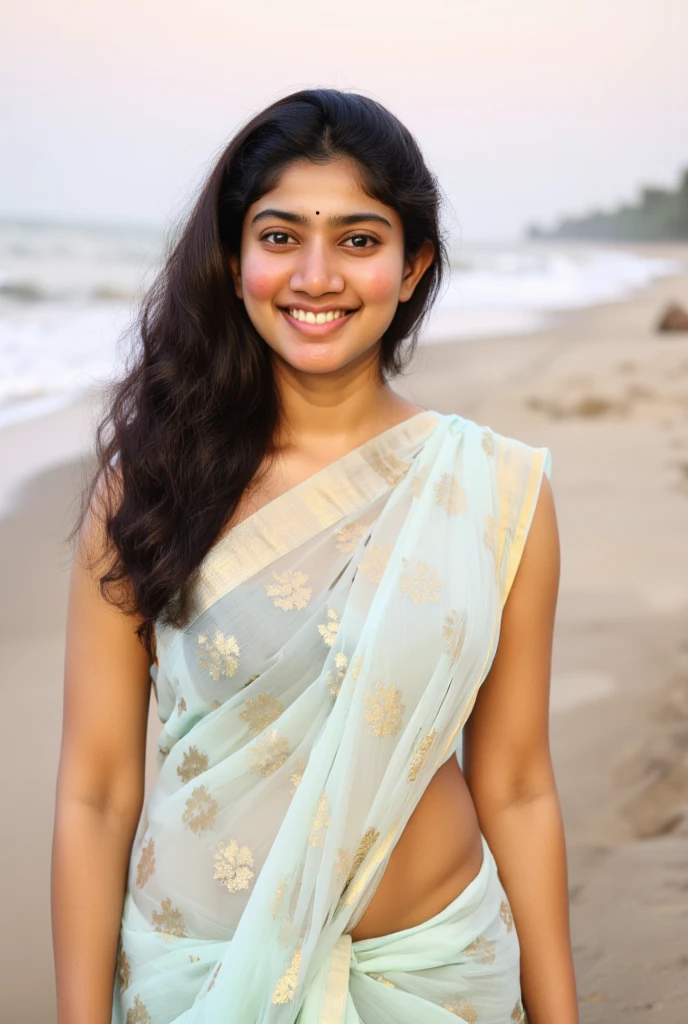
(674, 318)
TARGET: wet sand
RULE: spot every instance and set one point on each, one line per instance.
(609, 397)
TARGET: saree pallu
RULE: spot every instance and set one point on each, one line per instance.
(337, 643)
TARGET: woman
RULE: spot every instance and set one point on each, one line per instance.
(318, 571)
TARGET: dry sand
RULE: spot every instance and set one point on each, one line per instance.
(609, 397)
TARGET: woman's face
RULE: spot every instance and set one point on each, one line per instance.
(322, 267)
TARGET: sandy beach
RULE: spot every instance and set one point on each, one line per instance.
(609, 397)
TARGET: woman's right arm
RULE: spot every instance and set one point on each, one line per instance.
(100, 789)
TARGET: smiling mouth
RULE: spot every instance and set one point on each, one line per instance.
(306, 322)
(308, 317)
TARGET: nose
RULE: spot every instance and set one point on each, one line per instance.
(315, 272)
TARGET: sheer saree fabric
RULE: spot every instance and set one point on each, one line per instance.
(337, 644)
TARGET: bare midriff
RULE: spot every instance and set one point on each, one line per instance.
(437, 855)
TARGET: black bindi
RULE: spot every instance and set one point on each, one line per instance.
(317, 213)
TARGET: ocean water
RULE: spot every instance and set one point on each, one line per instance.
(67, 293)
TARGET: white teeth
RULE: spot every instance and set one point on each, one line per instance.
(307, 317)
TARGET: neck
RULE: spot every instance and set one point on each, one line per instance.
(340, 410)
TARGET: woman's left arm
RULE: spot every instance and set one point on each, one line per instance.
(508, 768)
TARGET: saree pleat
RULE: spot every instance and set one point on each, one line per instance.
(338, 640)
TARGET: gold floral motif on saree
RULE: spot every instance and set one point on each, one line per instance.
(123, 969)
(334, 679)
(348, 537)
(506, 914)
(481, 950)
(261, 712)
(487, 442)
(491, 541)
(450, 495)
(200, 810)
(137, 1013)
(463, 1009)
(219, 656)
(369, 839)
(384, 709)
(362, 879)
(269, 753)
(278, 897)
(356, 665)
(328, 630)
(491, 535)
(419, 581)
(421, 755)
(341, 868)
(454, 632)
(419, 480)
(285, 988)
(297, 774)
(233, 865)
(320, 822)
(374, 562)
(181, 708)
(289, 590)
(146, 865)
(193, 763)
(169, 919)
(518, 1014)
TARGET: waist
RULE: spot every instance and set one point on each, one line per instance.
(438, 854)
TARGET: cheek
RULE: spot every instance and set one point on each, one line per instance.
(380, 283)
(259, 280)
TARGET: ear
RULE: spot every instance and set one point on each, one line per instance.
(236, 273)
(414, 269)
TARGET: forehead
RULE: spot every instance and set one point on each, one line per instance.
(334, 187)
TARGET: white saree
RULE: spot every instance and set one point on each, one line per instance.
(338, 641)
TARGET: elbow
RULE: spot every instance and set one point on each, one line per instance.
(115, 796)
(526, 788)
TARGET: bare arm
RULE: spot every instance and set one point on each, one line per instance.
(99, 790)
(508, 769)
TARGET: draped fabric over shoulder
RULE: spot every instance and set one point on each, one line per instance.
(337, 644)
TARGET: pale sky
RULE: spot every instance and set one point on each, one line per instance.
(526, 109)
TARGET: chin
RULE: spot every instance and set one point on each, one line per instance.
(317, 358)
(330, 364)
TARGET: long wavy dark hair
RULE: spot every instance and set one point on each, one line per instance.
(193, 420)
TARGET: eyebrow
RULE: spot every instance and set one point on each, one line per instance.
(336, 221)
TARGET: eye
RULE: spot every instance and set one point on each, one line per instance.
(277, 237)
(360, 241)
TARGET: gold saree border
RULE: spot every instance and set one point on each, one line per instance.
(318, 502)
(539, 467)
(337, 983)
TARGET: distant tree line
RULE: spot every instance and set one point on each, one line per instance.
(658, 215)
